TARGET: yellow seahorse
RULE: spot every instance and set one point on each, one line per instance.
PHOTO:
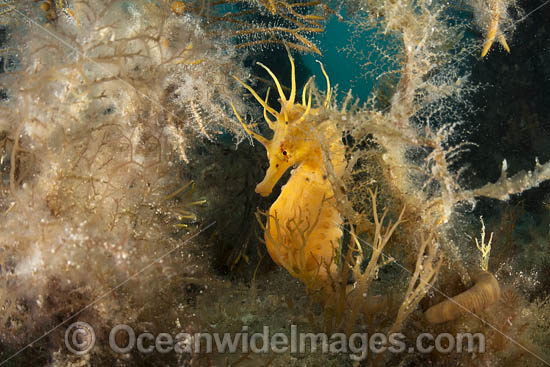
(303, 226)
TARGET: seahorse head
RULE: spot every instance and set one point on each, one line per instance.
(293, 142)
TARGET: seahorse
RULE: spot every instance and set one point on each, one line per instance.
(303, 230)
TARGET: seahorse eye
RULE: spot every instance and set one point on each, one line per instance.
(283, 156)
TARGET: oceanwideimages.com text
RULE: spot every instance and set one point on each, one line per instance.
(80, 338)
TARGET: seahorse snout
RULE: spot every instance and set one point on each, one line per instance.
(272, 176)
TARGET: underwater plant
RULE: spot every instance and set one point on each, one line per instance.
(264, 23)
(102, 110)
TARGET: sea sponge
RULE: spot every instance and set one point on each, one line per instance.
(484, 293)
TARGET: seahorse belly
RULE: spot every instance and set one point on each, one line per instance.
(304, 225)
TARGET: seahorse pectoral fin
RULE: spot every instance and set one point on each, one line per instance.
(272, 176)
